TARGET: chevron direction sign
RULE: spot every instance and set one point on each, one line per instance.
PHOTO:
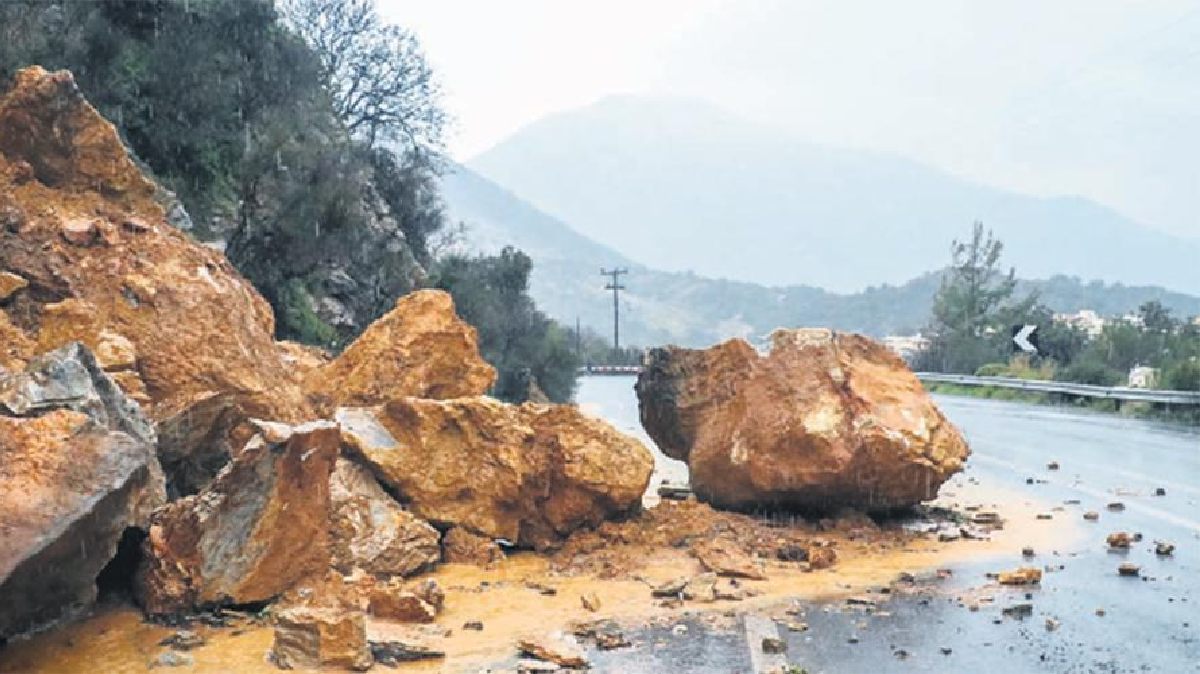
(1025, 338)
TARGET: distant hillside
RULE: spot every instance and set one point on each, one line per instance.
(679, 185)
(683, 308)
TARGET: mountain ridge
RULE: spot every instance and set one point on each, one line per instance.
(691, 310)
(671, 181)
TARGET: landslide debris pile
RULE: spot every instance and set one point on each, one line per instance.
(823, 421)
(141, 389)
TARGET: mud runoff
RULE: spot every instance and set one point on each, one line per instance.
(617, 565)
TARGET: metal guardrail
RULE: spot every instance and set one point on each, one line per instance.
(610, 369)
(1123, 393)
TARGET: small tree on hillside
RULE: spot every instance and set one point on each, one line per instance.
(967, 328)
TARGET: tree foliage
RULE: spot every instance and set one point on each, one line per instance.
(973, 312)
(379, 82)
(491, 293)
(306, 134)
(973, 307)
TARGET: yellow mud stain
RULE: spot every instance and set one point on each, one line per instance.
(118, 641)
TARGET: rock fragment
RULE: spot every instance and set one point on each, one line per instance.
(558, 648)
(773, 645)
(392, 653)
(1025, 575)
(1119, 540)
(393, 603)
(590, 601)
(312, 638)
(10, 283)
(726, 559)
(460, 546)
(370, 531)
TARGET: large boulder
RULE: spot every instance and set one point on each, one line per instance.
(90, 257)
(530, 474)
(256, 530)
(825, 420)
(370, 531)
(77, 469)
(420, 348)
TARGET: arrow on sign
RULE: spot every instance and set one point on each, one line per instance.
(1023, 337)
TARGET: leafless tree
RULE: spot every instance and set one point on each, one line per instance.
(379, 82)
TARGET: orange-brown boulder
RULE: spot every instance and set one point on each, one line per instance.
(98, 263)
(391, 602)
(257, 529)
(312, 639)
(420, 348)
(370, 531)
(302, 358)
(824, 420)
(460, 546)
(77, 470)
(530, 474)
(724, 558)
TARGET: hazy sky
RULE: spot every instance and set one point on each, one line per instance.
(1093, 97)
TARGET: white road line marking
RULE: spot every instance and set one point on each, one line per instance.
(758, 628)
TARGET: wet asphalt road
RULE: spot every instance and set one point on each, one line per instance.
(1149, 625)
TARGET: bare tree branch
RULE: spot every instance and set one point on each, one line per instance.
(376, 74)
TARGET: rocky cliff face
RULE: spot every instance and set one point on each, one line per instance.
(78, 468)
(329, 265)
(825, 420)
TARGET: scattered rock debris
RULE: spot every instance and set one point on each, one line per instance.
(1119, 540)
(1025, 575)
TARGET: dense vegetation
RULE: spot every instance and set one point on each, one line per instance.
(977, 304)
(307, 135)
(527, 348)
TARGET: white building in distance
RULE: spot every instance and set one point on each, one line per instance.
(1084, 319)
(1143, 377)
(906, 346)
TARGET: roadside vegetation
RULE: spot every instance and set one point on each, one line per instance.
(305, 136)
(976, 306)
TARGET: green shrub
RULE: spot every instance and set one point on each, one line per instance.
(1183, 376)
(298, 321)
(1091, 372)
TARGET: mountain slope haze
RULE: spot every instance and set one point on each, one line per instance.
(681, 185)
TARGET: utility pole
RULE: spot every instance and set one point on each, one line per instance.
(578, 339)
(616, 288)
